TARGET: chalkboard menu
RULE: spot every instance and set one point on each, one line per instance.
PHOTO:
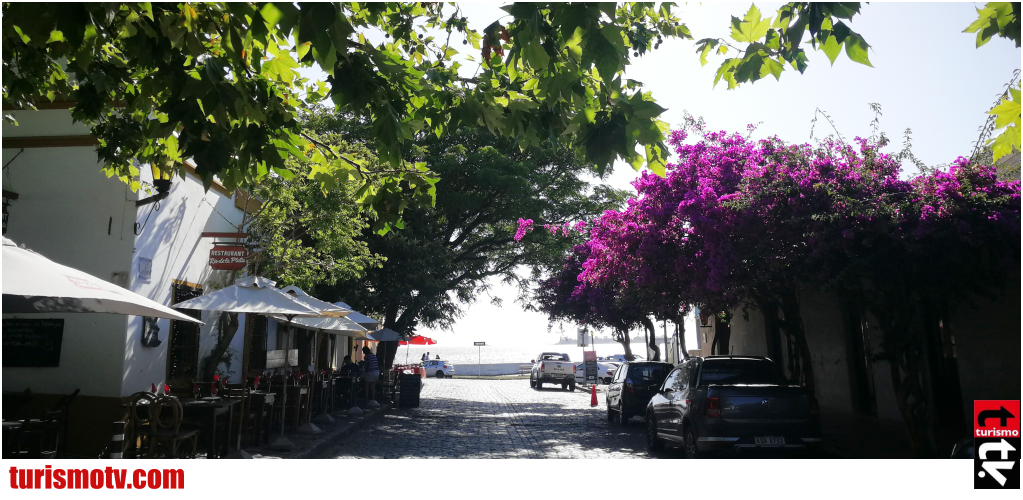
(32, 342)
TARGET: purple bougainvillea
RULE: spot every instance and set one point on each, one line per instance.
(735, 216)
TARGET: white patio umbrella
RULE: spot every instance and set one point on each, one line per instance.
(360, 318)
(385, 335)
(34, 284)
(339, 326)
(326, 308)
(253, 294)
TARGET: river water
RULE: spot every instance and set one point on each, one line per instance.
(504, 354)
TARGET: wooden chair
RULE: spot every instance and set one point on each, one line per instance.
(165, 417)
(139, 425)
(385, 386)
(261, 408)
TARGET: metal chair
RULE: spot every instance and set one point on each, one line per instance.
(34, 438)
(61, 410)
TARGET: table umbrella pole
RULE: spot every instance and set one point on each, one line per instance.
(310, 427)
(283, 443)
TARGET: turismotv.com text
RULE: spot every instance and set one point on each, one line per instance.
(106, 478)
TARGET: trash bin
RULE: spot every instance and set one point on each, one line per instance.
(409, 387)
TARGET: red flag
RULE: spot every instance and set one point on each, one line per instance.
(166, 389)
(154, 389)
(216, 376)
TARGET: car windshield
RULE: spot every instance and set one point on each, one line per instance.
(554, 357)
(648, 374)
(739, 371)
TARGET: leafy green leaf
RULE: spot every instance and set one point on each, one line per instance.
(831, 48)
(856, 49)
(704, 47)
(752, 27)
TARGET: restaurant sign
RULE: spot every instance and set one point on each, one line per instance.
(229, 258)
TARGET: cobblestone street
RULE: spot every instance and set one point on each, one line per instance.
(465, 418)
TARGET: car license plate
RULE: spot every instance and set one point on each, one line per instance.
(769, 441)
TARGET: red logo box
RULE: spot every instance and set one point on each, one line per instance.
(996, 419)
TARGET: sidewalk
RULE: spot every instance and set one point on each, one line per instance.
(851, 435)
(310, 445)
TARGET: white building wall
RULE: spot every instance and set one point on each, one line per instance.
(71, 213)
(172, 240)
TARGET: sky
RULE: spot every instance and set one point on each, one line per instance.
(927, 75)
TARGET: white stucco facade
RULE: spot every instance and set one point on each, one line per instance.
(68, 211)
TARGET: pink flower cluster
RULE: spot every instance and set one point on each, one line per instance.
(525, 225)
(734, 215)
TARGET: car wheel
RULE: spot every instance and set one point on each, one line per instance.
(621, 418)
(564, 386)
(607, 380)
(440, 374)
(610, 414)
(532, 383)
(539, 385)
(571, 387)
(653, 443)
(690, 444)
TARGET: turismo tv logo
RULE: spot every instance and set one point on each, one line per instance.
(996, 441)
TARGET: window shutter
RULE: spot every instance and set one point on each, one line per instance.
(257, 343)
(183, 352)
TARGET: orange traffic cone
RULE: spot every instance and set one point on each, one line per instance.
(593, 395)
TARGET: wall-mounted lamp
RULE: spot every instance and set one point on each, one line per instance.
(162, 182)
(9, 196)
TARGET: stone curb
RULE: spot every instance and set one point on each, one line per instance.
(327, 439)
(330, 438)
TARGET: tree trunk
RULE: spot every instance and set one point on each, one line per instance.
(626, 342)
(910, 372)
(680, 334)
(228, 326)
(794, 329)
(386, 358)
(651, 336)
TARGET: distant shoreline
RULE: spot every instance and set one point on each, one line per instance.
(599, 340)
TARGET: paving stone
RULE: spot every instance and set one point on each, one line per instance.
(466, 418)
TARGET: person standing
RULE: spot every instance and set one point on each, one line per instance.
(371, 377)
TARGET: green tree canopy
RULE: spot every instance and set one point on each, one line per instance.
(446, 254)
(219, 83)
(306, 235)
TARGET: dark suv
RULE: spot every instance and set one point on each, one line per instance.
(632, 386)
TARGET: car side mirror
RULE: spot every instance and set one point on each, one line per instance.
(532, 361)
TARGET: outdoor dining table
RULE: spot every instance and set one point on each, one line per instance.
(208, 411)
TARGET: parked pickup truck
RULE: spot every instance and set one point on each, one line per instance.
(731, 403)
(552, 368)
